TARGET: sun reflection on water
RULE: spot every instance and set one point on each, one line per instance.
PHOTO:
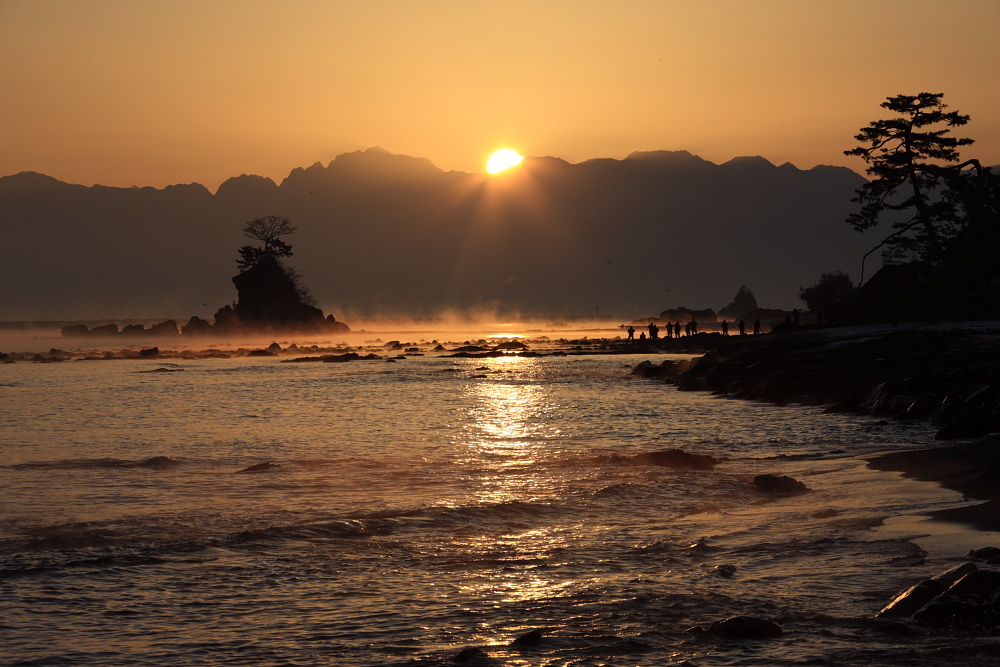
(509, 430)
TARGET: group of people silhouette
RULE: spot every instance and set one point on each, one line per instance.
(690, 328)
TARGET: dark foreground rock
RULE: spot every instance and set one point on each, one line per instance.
(965, 598)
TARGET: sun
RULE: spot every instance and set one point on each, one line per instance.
(505, 158)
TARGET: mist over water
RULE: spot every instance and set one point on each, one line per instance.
(248, 511)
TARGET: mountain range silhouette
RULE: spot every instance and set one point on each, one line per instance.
(389, 234)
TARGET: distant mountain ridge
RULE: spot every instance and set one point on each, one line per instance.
(394, 234)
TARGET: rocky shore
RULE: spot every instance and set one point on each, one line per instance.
(945, 374)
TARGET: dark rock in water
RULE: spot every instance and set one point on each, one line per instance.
(260, 353)
(677, 458)
(269, 299)
(966, 427)
(956, 612)
(701, 547)
(981, 585)
(745, 627)
(149, 353)
(667, 368)
(340, 358)
(469, 654)
(267, 466)
(779, 484)
(950, 576)
(727, 571)
(912, 599)
(532, 638)
(985, 553)
(645, 368)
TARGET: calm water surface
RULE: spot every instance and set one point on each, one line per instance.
(416, 508)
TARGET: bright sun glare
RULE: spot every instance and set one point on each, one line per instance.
(505, 158)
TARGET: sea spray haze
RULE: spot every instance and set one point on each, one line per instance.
(248, 511)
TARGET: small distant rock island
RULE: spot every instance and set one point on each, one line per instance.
(270, 296)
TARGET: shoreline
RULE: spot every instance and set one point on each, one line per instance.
(971, 468)
(946, 375)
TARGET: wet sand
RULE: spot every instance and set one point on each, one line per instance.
(972, 469)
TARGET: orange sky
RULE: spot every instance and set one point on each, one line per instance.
(123, 93)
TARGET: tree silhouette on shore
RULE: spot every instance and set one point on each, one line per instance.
(912, 160)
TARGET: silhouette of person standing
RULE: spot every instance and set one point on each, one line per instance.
(654, 331)
(694, 326)
(677, 329)
(756, 327)
(725, 328)
(631, 332)
(743, 326)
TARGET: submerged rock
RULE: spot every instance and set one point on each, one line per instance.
(745, 627)
(159, 463)
(469, 654)
(779, 484)
(528, 639)
(676, 458)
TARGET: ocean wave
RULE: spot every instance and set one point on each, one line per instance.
(155, 463)
(320, 531)
(666, 458)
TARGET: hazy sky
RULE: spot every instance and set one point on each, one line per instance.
(154, 92)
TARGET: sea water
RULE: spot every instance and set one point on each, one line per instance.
(409, 509)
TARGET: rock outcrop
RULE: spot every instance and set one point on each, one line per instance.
(269, 300)
(947, 375)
